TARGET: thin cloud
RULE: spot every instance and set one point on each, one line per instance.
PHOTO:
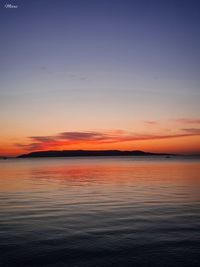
(81, 136)
(192, 130)
(188, 121)
(65, 139)
(43, 138)
(151, 122)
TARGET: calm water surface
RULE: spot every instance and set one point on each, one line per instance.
(100, 212)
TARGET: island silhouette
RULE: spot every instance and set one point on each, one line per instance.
(89, 153)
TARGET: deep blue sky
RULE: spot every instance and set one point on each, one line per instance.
(161, 37)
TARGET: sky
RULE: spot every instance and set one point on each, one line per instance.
(95, 74)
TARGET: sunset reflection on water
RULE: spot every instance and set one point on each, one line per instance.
(68, 209)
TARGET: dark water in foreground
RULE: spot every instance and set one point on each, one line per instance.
(100, 212)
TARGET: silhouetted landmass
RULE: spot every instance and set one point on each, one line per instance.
(4, 157)
(89, 153)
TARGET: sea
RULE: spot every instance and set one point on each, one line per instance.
(100, 211)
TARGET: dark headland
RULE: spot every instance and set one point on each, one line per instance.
(88, 153)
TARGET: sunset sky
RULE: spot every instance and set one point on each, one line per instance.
(100, 74)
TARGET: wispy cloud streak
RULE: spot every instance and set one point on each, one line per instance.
(192, 131)
(188, 121)
(65, 139)
(151, 122)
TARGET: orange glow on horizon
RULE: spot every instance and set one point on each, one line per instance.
(179, 145)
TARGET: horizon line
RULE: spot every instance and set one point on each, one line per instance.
(103, 150)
